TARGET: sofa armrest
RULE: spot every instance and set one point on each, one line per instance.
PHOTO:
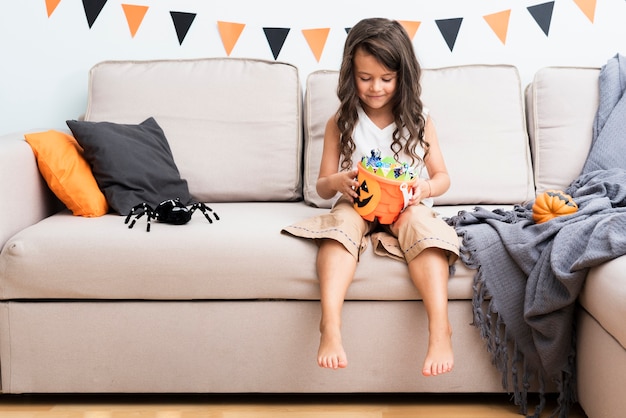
(26, 198)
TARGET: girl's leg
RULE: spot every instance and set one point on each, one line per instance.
(416, 227)
(335, 268)
(429, 272)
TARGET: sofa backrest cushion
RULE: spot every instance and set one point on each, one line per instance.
(561, 103)
(234, 125)
(478, 111)
(320, 103)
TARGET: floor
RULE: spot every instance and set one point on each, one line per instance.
(265, 406)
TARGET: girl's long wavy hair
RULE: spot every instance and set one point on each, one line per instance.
(389, 43)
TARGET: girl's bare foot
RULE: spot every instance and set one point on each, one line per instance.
(440, 358)
(331, 354)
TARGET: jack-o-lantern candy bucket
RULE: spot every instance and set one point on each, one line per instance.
(380, 197)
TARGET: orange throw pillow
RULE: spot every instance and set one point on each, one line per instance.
(68, 175)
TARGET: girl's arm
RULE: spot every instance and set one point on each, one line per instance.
(439, 181)
(331, 180)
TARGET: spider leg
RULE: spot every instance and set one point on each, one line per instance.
(137, 216)
(138, 211)
(131, 212)
(134, 221)
(206, 211)
(203, 208)
(150, 216)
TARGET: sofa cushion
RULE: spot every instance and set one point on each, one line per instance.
(561, 104)
(132, 164)
(243, 256)
(603, 297)
(478, 112)
(67, 173)
(320, 103)
(210, 109)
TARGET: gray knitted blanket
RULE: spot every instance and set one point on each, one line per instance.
(530, 275)
(608, 145)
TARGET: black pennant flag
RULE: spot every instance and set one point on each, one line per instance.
(276, 38)
(92, 10)
(182, 23)
(449, 28)
(542, 13)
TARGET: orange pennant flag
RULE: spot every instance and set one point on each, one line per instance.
(499, 23)
(410, 27)
(588, 7)
(134, 16)
(229, 33)
(51, 5)
(317, 40)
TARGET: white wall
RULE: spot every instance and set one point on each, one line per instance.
(45, 60)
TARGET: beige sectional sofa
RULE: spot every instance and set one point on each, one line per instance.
(88, 305)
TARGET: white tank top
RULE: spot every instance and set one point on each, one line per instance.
(368, 136)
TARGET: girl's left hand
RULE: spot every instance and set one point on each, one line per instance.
(420, 192)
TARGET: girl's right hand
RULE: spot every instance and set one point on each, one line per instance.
(345, 182)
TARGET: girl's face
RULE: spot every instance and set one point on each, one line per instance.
(375, 84)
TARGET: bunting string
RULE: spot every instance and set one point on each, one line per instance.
(230, 32)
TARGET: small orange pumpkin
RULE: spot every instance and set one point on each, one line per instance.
(553, 203)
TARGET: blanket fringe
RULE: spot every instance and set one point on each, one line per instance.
(493, 331)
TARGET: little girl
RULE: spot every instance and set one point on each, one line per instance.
(380, 108)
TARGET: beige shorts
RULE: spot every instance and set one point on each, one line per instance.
(417, 228)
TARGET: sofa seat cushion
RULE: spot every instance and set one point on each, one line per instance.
(603, 297)
(244, 255)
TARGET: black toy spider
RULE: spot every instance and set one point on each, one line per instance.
(170, 211)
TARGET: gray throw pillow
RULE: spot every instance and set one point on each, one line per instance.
(132, 164)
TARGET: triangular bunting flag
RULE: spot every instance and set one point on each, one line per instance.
(316, 39)
(276, 38)
(588, 7)
(134, 16)
(449, 28)
(182, 23)
(499, 23)
(410, 27)
(542, 13)
(347, 30)
(229, 32)
(92, 10)
(51, 5)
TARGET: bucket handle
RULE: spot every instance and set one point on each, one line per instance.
(407, 194)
